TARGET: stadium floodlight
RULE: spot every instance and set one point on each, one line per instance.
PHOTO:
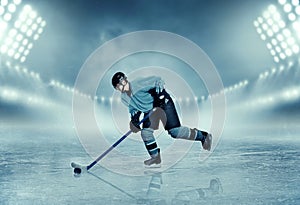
(64, 87)
(280, 29)
(282, 2)
(292, 8)
(291, 94)
(296, 27)
(24, 71)
(297, 10)
(287, 7)
(292, 16)
(26, 28)
(6, 11)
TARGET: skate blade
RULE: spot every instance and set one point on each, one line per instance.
(153, 166)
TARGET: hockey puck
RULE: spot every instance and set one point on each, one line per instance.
(77, 171)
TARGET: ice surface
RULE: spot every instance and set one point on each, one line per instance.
(35, 169)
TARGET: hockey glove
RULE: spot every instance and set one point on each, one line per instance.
(134, 123)
(159, 86)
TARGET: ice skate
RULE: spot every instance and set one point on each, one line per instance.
(153, 162)
(207, 142)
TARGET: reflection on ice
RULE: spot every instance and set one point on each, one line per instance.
(199, 194)
(35, 169)
(154, 196)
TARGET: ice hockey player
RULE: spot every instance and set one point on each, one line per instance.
(141, 96)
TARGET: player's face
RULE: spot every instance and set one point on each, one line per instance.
(122, 86)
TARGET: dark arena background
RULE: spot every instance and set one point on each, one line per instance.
(254, 46)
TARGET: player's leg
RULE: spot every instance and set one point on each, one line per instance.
(187, 133)
(150, 144)
(175, 129)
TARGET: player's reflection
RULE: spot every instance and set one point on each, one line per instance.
(183, 197)
(194, 195)
(154, 197)
(154, 189)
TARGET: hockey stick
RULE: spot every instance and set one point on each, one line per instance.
(79, 168)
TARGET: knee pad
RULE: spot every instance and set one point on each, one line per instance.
(147, 134)
(180, 132)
